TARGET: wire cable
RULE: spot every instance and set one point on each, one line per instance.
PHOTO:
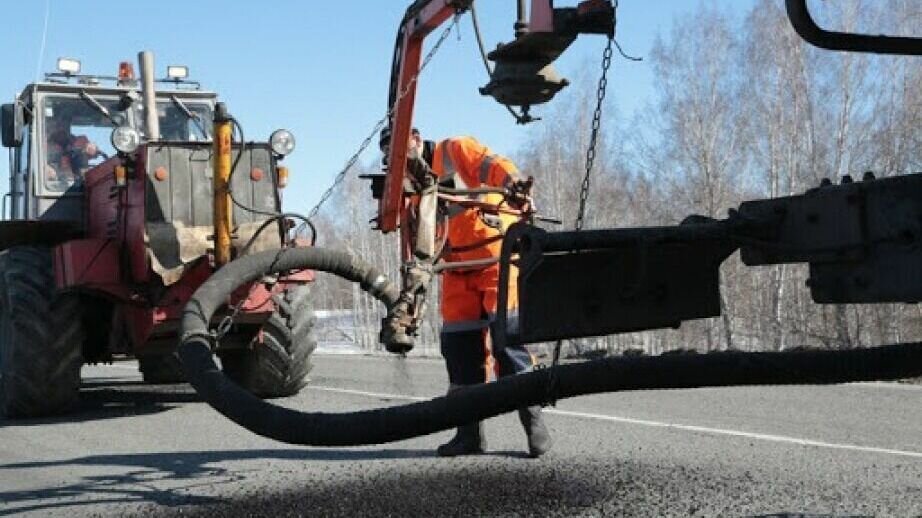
(280, 217)
(341, 175)
(41, 51)
(273, 215)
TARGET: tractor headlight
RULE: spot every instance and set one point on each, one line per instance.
(125, 139)
(282, 142)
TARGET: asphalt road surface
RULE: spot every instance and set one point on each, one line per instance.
(852, 450)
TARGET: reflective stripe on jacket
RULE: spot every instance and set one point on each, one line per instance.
(473, 234)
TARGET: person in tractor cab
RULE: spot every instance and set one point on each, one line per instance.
(68, 156)
(469, 296)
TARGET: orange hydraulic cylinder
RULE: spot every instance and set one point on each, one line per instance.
(223, 211)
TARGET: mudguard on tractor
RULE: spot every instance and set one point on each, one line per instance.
(37, 233)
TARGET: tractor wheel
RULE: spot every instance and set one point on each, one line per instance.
(278, 365)
(161, 369)
(41, 337)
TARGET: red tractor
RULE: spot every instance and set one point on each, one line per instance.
(123, 200)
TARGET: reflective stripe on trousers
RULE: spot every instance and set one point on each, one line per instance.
(471, 359)
(512, 323)
(469, 303)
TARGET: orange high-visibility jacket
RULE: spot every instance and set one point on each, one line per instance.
(472, 234)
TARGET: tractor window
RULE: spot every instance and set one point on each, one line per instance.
(76, 138)
(175, 125)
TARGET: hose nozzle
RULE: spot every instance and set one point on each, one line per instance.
(399, 328)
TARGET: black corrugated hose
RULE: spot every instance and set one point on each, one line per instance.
(508, 394)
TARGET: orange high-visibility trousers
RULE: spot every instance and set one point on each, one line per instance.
(469, 304)
(469, 297)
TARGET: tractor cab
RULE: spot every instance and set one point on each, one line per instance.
(123, 200)
(98, 157)
(58, 129)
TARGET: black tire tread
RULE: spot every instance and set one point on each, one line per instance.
(163, 369)
(278, 367)
(41, 351)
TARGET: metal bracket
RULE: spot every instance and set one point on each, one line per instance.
(609, 281)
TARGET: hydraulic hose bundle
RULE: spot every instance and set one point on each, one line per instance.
(483, 401)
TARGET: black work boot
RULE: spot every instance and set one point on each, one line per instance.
(468, 440)
(539, 439)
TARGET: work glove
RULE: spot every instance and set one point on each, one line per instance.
(518, 193)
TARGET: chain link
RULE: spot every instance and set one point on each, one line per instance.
(552, 382)
(224, 326)
(594, 136)
(228, 321)
(380, 124)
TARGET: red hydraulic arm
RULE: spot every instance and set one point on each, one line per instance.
(539, 41)
(422, 17)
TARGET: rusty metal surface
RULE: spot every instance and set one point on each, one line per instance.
(184, 194)
(179, 222)
(863, 240)
(173, 247)
(37, 233)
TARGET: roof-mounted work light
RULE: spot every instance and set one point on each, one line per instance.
(177, 72)
(68, 66)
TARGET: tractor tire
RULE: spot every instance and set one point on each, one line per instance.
(278, 366)
(41, 337)
(163, 369)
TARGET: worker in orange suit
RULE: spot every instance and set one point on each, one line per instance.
(469, 296)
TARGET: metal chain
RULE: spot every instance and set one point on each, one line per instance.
(584, 196)
(228, 321)
(224, 326)
(551, 397)
(594, 136)
(380, 124)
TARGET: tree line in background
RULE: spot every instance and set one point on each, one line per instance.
(742, 109)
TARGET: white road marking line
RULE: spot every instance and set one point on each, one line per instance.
(379, 358)
(659, 424)
(887, 385)
(738, 433)
(369, 394)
